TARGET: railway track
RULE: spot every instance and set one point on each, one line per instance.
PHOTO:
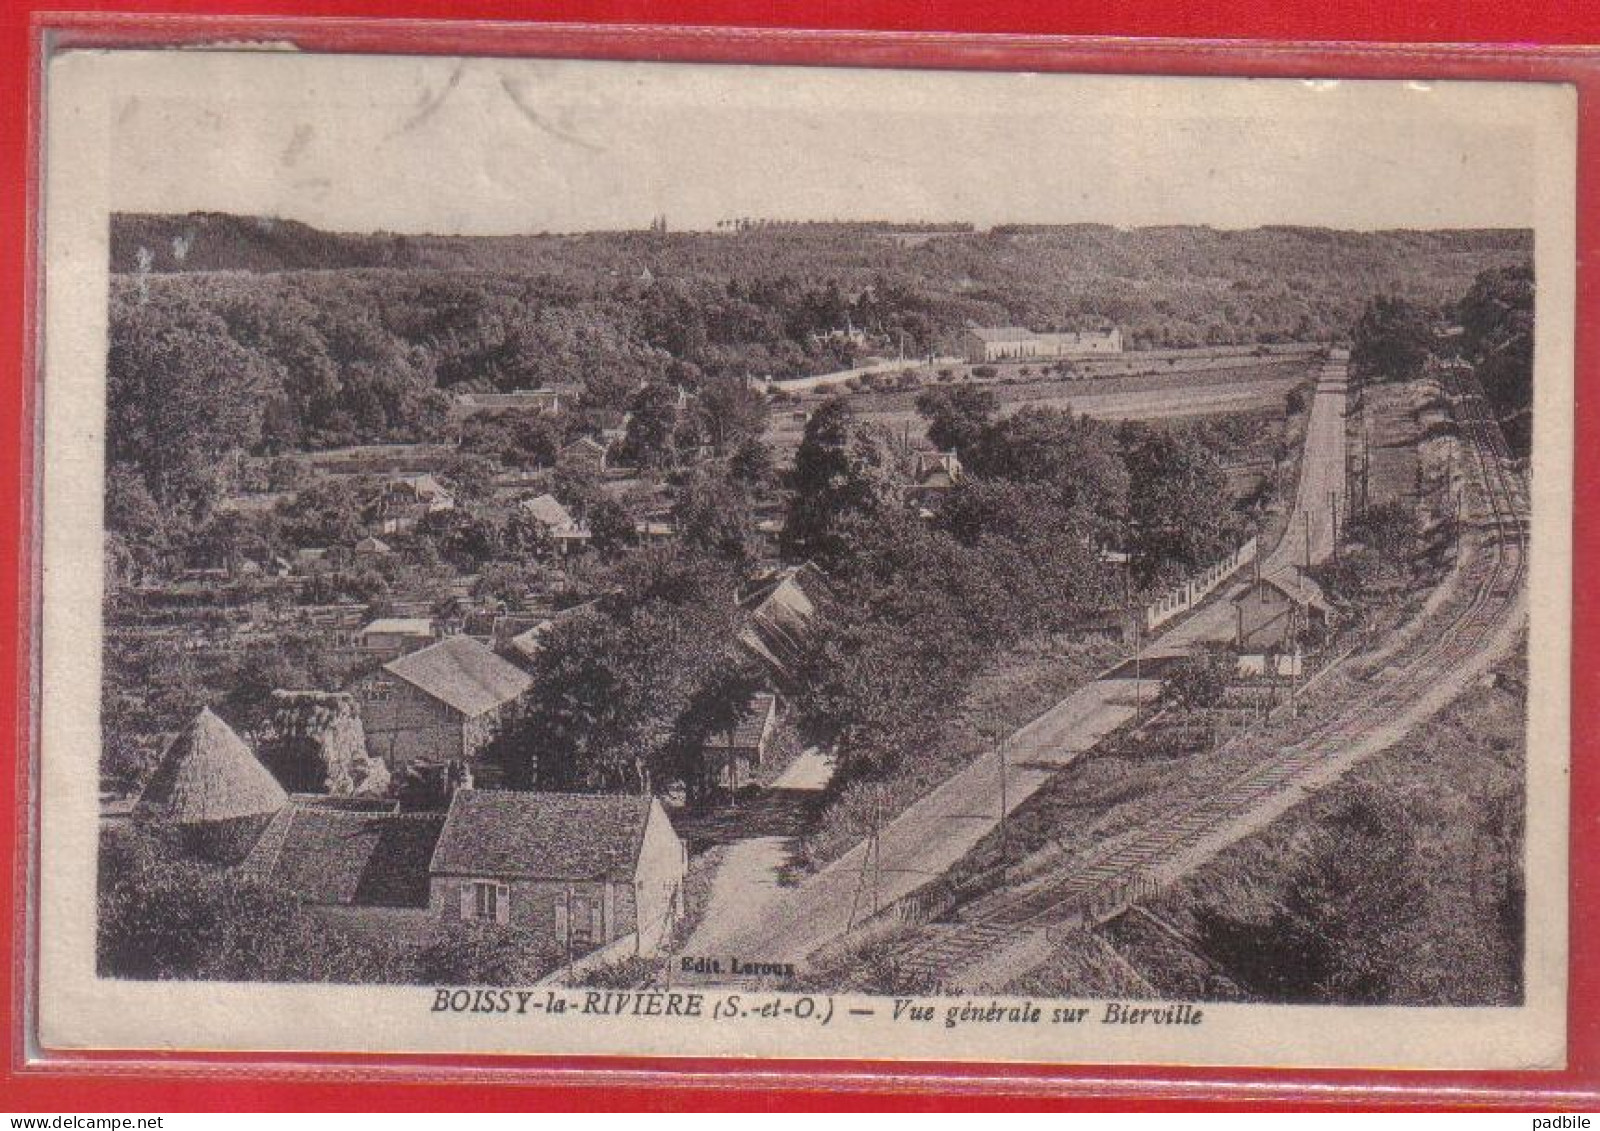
(1138, 865)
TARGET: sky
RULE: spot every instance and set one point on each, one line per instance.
(493, 146)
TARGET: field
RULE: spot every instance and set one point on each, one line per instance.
(1164, 393)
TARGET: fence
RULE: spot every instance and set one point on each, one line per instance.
(1182, 598)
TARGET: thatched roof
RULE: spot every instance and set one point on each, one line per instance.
(208, 774)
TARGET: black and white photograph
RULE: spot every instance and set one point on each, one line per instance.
(717, 560)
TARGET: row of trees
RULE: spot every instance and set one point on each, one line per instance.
(1395, 336)
(1157, 492)
(627, 693)
(1011, 551)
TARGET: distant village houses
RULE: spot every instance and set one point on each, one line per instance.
(566, 533)
(548, 401)
(396, 635)
(405, 500)
(586, 453)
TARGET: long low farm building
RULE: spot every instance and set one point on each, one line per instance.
(1016, 343)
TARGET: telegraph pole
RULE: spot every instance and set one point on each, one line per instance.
(569, 932)
(1333, 510)
(1005, 810)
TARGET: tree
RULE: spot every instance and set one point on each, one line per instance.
(957, 417)
(465, 540)
(652, 423)
(1391, 340)
(1178, 503)
(610, 527)
(1197, 682)
(732, 413)
(180, 394)
(713, 516)
(145, 531)
(610, 686)
(1497, 321)
(711, 713)
(752, 464)
(471, 476)
(482, 954)
(842, 468)
(326, 513)
(1075, 455)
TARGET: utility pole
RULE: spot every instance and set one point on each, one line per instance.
(1333, 510)
(1307, 518)
(1294, 664)
(877, 849)
(1138, 675)
(1005, 810)
(569, 932)
(1457, 527)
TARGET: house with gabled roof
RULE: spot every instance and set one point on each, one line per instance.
(1278, 614)
(780, 610)
(405, 500)
(564, 531)
(730, 758)
(585, 452)
(583, 871)
(347, 855)
(441, 703)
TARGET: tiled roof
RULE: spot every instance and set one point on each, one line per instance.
(780, 615)
(1002, 333)
(527, 644)
(549, 836)
(411, 626)
(342, 856)
(750, 733)
(549, 511)
(1300, 590)
(463, 674)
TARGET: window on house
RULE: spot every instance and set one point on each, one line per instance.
(489, 902)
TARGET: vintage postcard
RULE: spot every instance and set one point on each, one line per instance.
(555, 557)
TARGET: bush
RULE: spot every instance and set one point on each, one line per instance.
(486, 954)
(1197, 681)
(162, 916)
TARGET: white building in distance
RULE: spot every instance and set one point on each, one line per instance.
(1012, 343)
